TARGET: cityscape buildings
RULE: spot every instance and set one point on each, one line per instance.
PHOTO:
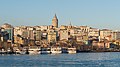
(81, 37)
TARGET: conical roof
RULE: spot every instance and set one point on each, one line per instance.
(55, 17)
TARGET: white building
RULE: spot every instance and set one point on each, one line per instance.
(93, 32)
(115, 35)
(63, 34)
(106, 34)
(52, 36)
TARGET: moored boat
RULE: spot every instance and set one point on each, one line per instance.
(24, 50)
(45, 50)
(2, 51)
(71, 50)
(34, 50)
(18, 51)
(56, 50)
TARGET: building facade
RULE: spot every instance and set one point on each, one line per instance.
(52, 35)
(63, 34)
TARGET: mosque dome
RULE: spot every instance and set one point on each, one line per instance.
(6, 25)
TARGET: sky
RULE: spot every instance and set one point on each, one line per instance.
(102, 14)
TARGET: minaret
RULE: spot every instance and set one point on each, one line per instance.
(70, 25)
(55, 21)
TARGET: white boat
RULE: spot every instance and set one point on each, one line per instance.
(24, 50)
(71, 50)
(9, 51)
(56, 50)
(2, 51)
(34, 50)
(45, 50)
(17, 51)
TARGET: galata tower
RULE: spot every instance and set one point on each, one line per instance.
(55, 21)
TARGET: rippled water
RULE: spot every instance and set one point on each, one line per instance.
(108, 59)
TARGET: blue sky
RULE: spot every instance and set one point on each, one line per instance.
(94, 13)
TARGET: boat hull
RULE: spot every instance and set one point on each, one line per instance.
(56, 50)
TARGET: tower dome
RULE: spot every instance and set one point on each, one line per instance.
(6, 25)
(55, 21)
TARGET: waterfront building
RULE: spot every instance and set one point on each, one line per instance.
(73, 31)
(101, 44)
(7, 32)
(44, 35)
(4, 36)
(37, 27)
(106, 34)
(44, 28)
(84, 28)
(63, 34)
(95, 43)
(31, 32)
(25, 33)
(52, 35)
(18, 30)
(83, 38)
(18, 40)
(116, 42)
(78, 34)
(38, 35)
(19, 35)
(55, 22)
(115, 35)
(93, 32)
(50, 27)
(10, 33)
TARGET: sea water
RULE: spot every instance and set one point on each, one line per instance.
(103, 59)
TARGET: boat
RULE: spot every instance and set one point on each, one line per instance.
(34, 50)
(2, 51)
(18, 51)
(56, 50)
(9, 51)
(24, 50)
(64, 49)
(71, 50)
(45, 50)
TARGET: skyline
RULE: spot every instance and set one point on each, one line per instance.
(98, 14)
